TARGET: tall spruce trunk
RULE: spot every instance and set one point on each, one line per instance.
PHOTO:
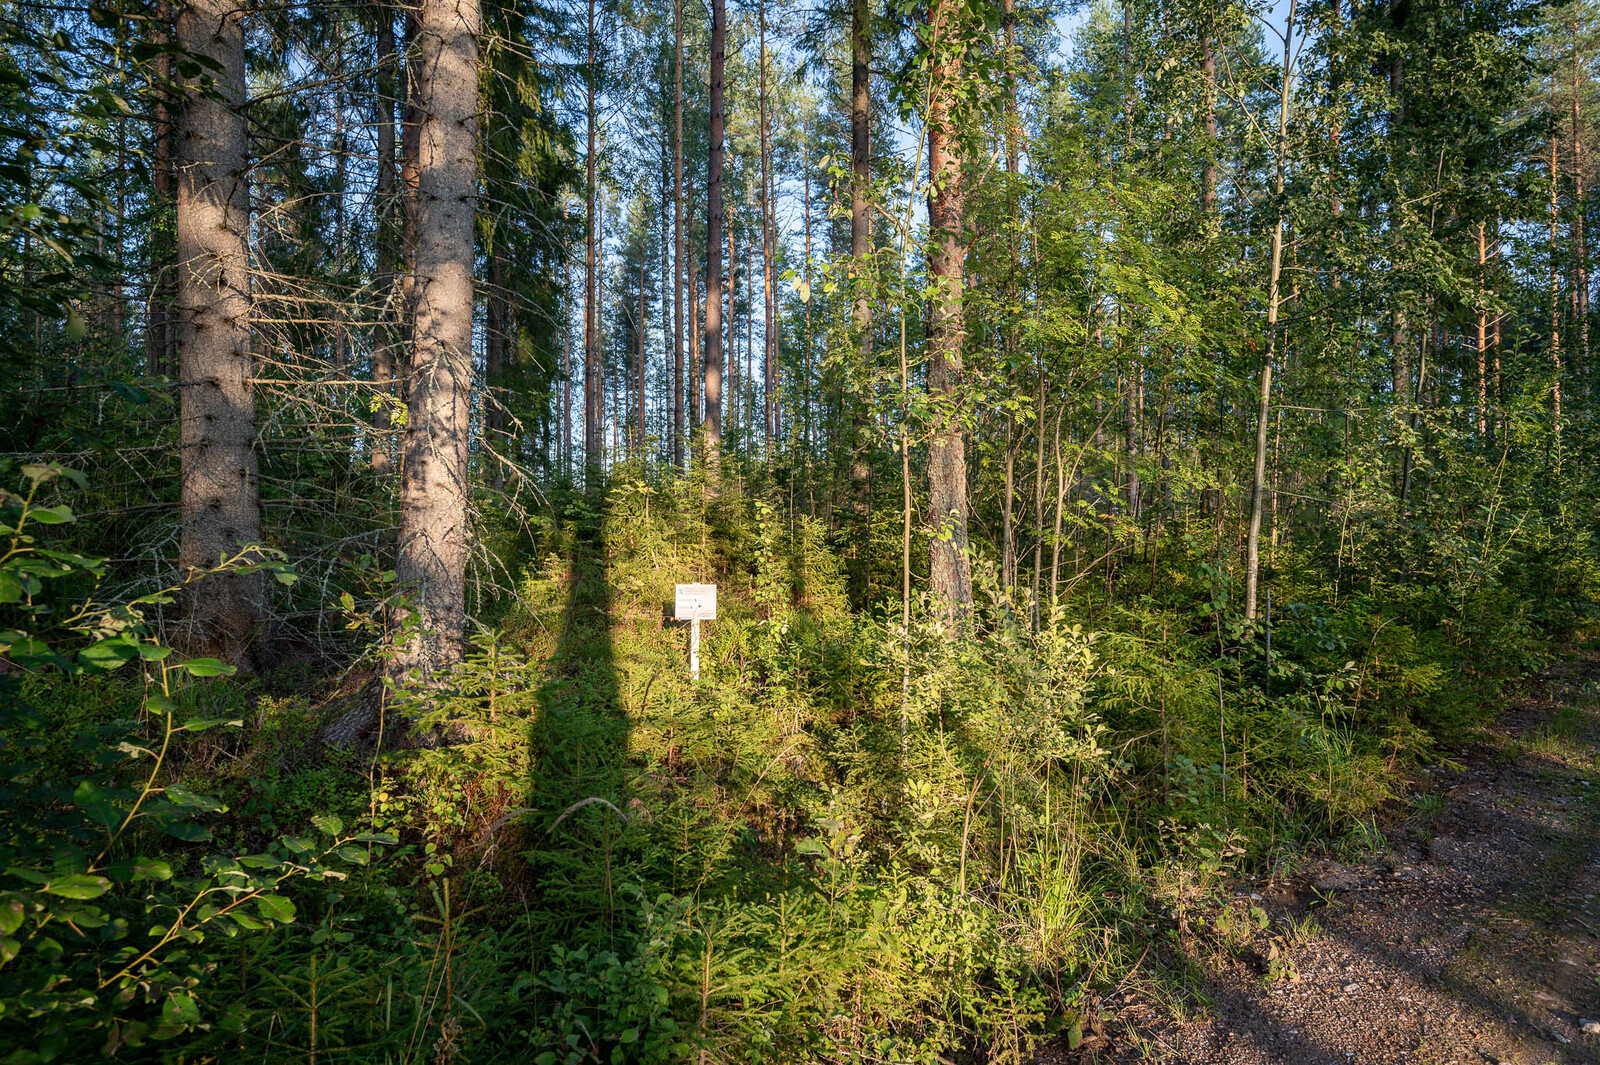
(431, 554)
(713, 336)
(160, 337)
(410, 132)
(386, 332)
(219, 501)
(950, 571)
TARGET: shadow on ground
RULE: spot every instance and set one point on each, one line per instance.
(1473, 939)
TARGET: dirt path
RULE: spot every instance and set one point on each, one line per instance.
(1474, 938)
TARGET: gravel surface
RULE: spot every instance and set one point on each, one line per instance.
(1475, 937)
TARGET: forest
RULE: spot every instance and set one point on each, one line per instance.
(1130, 440)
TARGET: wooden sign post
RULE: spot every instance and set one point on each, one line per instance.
(695, 603)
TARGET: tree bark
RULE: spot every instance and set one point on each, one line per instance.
(410, 174)
(669, 311)
(1555, 301)
(731, 341)
(638, 390)
(565, 449)
(1336, 131)
(431, 555)
(1258, 481)
(494, 351)
(769, 338)
(861, 247)
(804, 440)
(1008, 337)
(1483, 342)
(748, 405)
(713, 352)
(386, 334)
(1580, 250)
(1133, 415)
(950, 570)
(160, 338)
(678, 302)
(593, 398)
(694, 417)
(1208, 77)
(219, 500)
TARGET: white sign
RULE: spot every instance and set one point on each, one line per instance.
(696, 602)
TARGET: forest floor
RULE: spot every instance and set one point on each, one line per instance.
(1473, 936)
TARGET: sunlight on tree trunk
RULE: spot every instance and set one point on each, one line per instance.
(221, 511)
(950, 574)
(431, 553)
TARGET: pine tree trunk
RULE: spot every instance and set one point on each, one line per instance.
(639, 381)
(1483, 342)
(1580, 249)
(593, 397)
(860, 249)
(1134, 412)
(693, 417)
(669, 312)
(805, 348)
(731, 341)
(678, 303)
(1555, 302)
(496, 326)
(950, 570)
(748, 405)
(1208, 78)
(713, 352)
(769, 335)
(220, 504)
(565, 449)
(431, 555)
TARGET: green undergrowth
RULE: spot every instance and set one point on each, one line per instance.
(848, 840)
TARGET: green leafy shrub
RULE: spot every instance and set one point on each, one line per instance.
(110, 897)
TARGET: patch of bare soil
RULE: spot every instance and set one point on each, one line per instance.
(1475, 937)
